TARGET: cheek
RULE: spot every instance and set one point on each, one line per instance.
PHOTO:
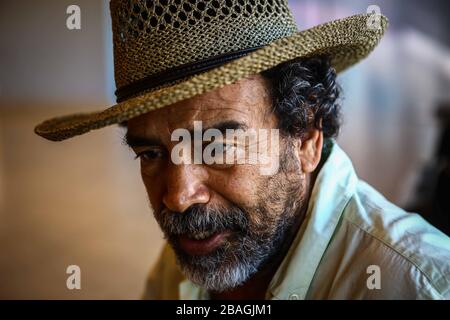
(238, 185)
(155, 191)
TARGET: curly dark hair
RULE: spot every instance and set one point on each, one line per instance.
(305, 94)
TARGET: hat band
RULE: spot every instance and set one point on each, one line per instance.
(178, 72)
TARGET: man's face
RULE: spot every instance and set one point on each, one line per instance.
(224, 221)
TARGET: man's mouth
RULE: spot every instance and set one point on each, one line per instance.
(202, 243)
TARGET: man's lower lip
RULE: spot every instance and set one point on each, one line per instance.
(202, 247)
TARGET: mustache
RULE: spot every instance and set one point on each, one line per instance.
(201, 218)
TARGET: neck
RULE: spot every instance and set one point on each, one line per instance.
(256, 286)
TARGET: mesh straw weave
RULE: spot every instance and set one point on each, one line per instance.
(154, 36)
(150, 36)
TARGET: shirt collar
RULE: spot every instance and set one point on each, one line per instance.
(334, 186)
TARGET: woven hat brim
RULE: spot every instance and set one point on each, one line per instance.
(345, 41)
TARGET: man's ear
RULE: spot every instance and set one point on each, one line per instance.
(309, 150)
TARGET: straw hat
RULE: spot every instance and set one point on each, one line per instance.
(166, 51)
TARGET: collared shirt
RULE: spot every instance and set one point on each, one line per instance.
(353, 244)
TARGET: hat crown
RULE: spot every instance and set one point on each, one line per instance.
(152, 36)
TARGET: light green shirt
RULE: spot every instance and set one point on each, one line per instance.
(353, 244)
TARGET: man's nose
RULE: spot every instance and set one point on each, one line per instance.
(184, 187)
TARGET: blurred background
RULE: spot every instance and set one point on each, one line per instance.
(82, 201)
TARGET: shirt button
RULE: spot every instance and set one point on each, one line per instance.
(294, 296)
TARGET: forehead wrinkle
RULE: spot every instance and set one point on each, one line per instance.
(197, 116)
(246, 89)
(268, 113)
(224, 113)
(241, 98)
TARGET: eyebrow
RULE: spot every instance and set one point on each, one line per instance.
(223, 126)
(134, 141)
(140, 141)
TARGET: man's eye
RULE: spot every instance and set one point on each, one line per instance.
(221, 149)
(149, 155)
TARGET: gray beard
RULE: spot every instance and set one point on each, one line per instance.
(244, 253)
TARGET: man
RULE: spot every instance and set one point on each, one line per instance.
(188, 74)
